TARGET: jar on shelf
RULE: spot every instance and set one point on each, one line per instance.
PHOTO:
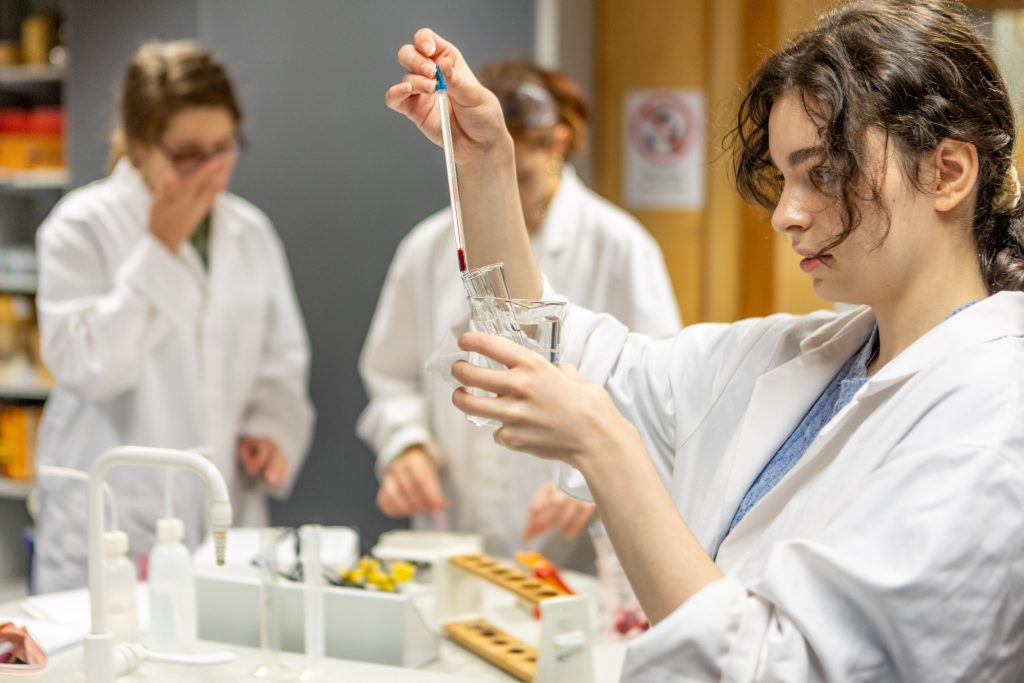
(19, 426)
(45, 138)
(17, 320)
(14, 139)
(38, 36)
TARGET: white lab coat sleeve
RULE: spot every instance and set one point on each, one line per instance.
(391, 368)
(919, 578)
(96, 334)
(279, 406)
(642, 297)
(665, 387)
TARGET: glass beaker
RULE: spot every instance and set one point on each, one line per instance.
(535, 325)
(538, 326)
(486, 281)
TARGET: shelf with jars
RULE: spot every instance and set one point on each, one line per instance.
(33, 176)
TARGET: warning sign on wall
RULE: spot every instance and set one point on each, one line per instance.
(664, 140)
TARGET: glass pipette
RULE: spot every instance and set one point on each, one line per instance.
(449, 164)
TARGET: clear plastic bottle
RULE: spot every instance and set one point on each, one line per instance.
(120, 579)
(172, 591)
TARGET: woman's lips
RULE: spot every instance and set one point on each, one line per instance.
(810, 263)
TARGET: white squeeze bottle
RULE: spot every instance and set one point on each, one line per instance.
(172, 591)
(120, 579)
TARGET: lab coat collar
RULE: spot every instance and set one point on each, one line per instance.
(997, 316)
(558, 230)
(779, 401)
(127, 178)
(770, 419)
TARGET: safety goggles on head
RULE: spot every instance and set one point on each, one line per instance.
(527, 106)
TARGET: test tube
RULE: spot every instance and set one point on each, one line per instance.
(312, 574)
(270, 625)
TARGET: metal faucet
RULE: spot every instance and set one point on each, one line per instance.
(102, 662)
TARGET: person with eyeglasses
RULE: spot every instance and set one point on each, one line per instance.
(168, 318)
(430, 460)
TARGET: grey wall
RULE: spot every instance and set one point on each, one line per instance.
(342, 177)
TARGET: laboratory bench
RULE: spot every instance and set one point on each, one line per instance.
(453, 663)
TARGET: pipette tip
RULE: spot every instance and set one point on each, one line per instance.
(441, 85)
(462, 261)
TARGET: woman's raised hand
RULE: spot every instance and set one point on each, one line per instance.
(477, 123)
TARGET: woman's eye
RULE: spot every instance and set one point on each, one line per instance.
(185, 157)
(822, 177)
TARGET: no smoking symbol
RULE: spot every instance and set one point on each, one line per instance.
(661, 130)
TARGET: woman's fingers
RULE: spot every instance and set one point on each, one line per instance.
(390, 499)
(433, 45)
(413, 61)
(397, 97)
(541, 513)
(410, 489)
(420, 84)
(504, 351)
(275, 470)
(575, 516)
(469, 375)
(478, 406)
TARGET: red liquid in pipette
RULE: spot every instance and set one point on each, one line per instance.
(462, 261)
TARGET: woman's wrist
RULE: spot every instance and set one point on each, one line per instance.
(611, 451)
(494, 156)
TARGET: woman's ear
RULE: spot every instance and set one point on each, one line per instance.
(137, 152)
(561, 140)
(956, 174)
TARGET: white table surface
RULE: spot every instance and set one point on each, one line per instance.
(454, 663)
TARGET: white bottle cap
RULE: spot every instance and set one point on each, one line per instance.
(170, 530)
(115, 543)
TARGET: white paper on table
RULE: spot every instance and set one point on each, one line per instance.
(72, 608)
(50, 636)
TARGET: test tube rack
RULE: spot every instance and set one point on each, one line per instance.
(564, 652)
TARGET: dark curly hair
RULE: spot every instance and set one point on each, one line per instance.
(920, 72)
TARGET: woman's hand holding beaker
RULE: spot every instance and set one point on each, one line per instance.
(545, 409)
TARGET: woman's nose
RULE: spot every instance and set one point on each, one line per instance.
(790, 213)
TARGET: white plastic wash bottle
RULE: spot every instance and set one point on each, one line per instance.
(172, 591)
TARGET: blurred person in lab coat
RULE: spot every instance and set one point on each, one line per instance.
(168, 318)
(430, 459)
(825, 497)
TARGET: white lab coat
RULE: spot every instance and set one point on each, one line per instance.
(150, 349)
(893, 550)
(592, 251)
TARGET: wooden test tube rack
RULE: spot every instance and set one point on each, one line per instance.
(489, 642)
(526, 587)
(564, 624)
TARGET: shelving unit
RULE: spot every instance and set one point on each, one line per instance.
(23, 394)
(14, 490)
(26, 196)
(30, 74)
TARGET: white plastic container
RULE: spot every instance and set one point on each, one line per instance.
(120, 578)
(172, 591)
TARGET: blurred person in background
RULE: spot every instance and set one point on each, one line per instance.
(168, 318)
(430, 459)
